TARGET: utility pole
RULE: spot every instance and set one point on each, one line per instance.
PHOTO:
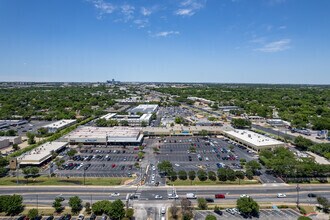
(37, 203)
(84, 177)
(298, 188)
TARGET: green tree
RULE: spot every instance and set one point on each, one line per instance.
(324, 202)
(302, 143)
(144, 124)
(129, 213)
(3, 171)
(202, 204)
(31, 138)
(191, 175)
(32, 214)
(165, 166)
(201, 174)
(101, 207)
(117, 210)
(88, 208)
(222, 174)
(249, 174)
(210, 217)
(75, 204)
(178, 120)
(248, 206)
(182, 175)
(240, 123)
(253, 165)
(15, 147)
(174, 210)
(124, 123)
(71, 153)
(11, 204)
(173, 176)
(57, 205)
(212, 176)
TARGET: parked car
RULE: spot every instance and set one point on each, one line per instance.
(80, 217)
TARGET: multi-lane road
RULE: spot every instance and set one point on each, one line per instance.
(262, 193)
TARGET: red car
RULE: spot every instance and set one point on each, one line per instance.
(113, 165)
(219, 196)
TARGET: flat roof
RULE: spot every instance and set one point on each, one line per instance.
(59, 124)
(145, 108)
(41, 153)
(108, 116)
(106, 133)
(253, 138)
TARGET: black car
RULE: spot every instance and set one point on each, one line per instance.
(219, 212)
(93, 217)
(209, 200)
(50, 218)
(21, 217)
(67, 217)
(311, 195)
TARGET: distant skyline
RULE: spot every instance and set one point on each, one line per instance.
(215, 41)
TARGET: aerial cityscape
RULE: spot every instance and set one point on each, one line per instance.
(164, 109)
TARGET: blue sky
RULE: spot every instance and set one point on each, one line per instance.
(239, 41)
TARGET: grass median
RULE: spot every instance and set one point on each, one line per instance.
(210, 182)
(56, 181)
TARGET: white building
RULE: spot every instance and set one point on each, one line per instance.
(104, 135)
(41, 154)
(4, 142)
(59, 125)
(133, 120)
(145, 109)
(253, 140)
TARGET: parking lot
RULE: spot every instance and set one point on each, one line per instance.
(193, 153)
(267, 214)
(101, 161)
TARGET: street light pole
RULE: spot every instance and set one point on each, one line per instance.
(84, 176)
(298, 188)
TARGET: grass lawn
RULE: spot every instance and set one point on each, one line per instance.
(179, 182)
(11, 181)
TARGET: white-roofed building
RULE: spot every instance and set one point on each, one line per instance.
(41, 154)
(104, 135)
(145, 109)
(132, 120)
(253, 140)
(59, 125)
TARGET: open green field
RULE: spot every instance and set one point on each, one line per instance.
(55, 181)
(210, 182)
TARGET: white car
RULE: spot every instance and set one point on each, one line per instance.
(177, 165)
(80, 217)
(115, 194)
(206, 158)
(244, 196)
(153, 168)
(281, 195)
(158, 197)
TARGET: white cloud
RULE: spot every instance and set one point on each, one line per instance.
(141, 23)
(275, 46)
(190, 7)
(145, 11)
(127, 11)
(103, 7)
(283, 27)
(166, 33)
